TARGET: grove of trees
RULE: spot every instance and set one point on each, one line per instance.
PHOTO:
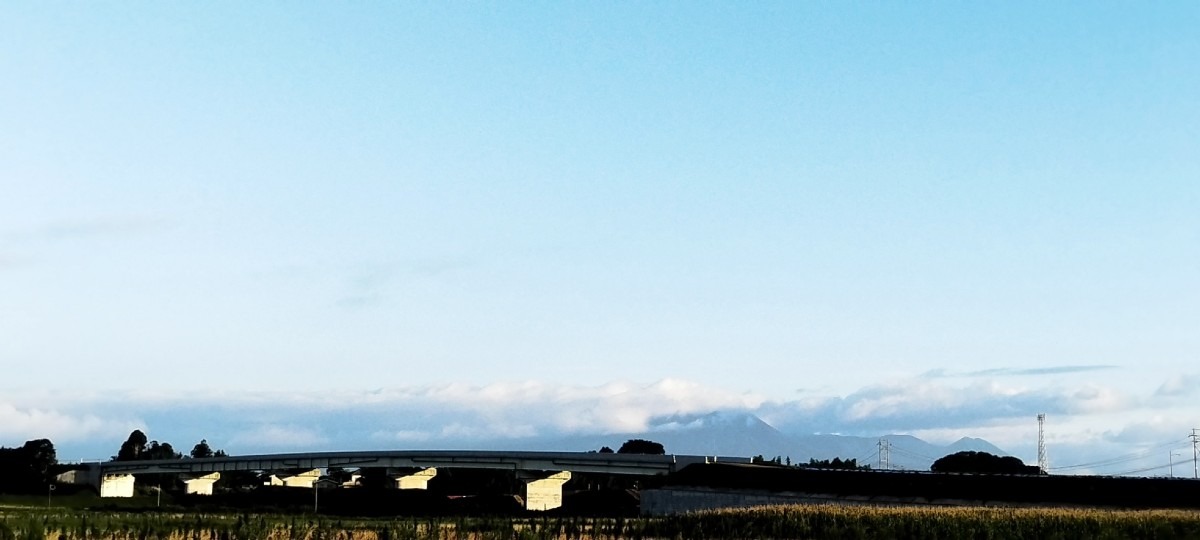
(641, 446)
(139, 448)
(837, 463)
(982, 462)
(203, 450)
(28, 468)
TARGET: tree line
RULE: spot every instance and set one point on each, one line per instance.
(139, 448)
(959, 462)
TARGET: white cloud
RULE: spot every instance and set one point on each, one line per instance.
(1179, 385)
(613, 407)
(462, 431)
(934, 403)
(1093, 399)
(19, 423)
(520, 413)
(404, 436)
(535, 408)
(279, 436)
(1158, 428)
(1018, 372)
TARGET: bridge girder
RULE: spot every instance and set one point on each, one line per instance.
(579, 462)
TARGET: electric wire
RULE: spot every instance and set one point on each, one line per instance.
(1123, 458)
(1146, 469)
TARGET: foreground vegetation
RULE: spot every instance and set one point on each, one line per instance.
(807, 522)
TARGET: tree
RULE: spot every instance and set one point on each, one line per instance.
(202, 450)
(606, 450)
(836, 463)
(28, 468)
(760, 460)
(133, 447)
(40, 456)
(160, 451)
(374, 478)
(982, 462)
(641, 446)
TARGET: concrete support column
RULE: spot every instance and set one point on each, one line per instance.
(116, 485)
(412, 478)
(296, 479)
(543, 490)
(200, 485)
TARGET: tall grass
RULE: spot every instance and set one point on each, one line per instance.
(803, 522)
(851, 522)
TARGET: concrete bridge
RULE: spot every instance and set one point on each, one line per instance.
(543, 473)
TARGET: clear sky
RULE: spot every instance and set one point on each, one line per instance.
(882, 214)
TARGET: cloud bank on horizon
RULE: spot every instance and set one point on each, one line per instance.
(537, 415)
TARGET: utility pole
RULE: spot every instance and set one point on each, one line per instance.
(49, 493)
(1171, 463)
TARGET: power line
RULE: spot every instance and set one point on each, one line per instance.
(867, 458)
(1194, 438)
(917, 454)
(1144, 453)
(1111, 462)
(910, 453)
(1147, 469)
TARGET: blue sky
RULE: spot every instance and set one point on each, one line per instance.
(778, 207)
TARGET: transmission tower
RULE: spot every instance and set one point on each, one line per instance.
(885, 454)
(1195, 436)
(1042, 464)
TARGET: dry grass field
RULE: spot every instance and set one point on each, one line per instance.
(799, 522)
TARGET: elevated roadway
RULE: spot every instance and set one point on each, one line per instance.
(580, 462)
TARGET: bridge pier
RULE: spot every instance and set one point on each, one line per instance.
(200, 485)
(116, 485)
(412, 478)
(294, 478)
(543, 490)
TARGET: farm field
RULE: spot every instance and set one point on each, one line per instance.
(801, 522)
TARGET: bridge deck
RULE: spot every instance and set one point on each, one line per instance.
(584, 462)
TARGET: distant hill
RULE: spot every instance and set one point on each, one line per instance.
(905, 451)
(709, 434)
(970, 443)
(744, 434)
(723, 434)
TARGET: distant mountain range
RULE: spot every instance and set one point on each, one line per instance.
(744, 434)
